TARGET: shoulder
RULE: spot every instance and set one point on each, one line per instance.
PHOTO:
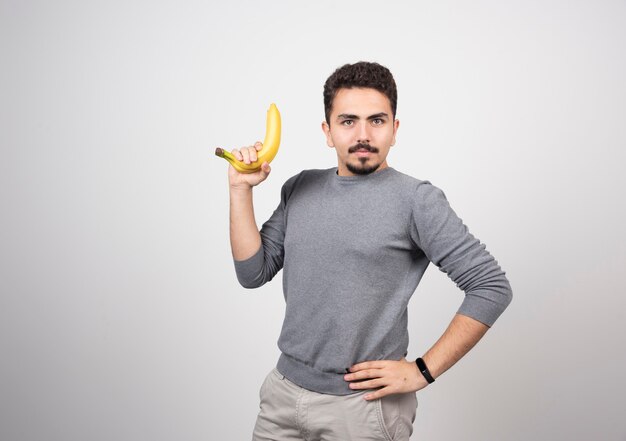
(308, 175)
(417, 191)
(304, 179)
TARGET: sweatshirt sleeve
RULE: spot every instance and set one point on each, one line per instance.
(447, 243)
(268, 260)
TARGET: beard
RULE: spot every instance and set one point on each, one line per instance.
(363, 168)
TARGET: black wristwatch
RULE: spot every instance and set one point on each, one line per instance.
(424, 370)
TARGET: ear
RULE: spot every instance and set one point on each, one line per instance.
(396, 124)
(329, 138)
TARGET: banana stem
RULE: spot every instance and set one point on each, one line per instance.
(224, 153)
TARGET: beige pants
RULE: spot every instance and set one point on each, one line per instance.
(289, 412)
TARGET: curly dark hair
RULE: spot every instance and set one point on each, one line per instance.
(362, 74)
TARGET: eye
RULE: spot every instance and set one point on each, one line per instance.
(347, 122)
(378, 121)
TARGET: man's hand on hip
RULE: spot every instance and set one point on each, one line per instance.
(392, 377)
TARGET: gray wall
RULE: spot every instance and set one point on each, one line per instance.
(120, 314)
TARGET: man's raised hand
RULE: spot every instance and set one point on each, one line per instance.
(247, 155)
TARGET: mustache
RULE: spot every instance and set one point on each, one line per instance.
(361, 146)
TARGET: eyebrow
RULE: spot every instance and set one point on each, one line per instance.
(371, 117)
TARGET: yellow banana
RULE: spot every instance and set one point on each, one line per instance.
(267, 152)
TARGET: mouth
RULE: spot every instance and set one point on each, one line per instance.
(362, 152)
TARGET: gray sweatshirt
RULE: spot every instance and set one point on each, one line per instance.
(353, 250)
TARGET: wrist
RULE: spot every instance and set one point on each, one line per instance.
(240, 189)
(424, 371)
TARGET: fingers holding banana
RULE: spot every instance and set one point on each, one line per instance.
(247, 155)
(244, 157)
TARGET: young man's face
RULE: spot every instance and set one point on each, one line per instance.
(361, 131)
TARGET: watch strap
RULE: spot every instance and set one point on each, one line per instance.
(424, 370)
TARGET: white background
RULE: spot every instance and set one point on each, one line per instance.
(120, 314)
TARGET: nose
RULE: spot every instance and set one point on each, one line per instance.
(364, 135)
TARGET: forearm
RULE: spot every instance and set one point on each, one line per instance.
(460, 336)
(245, 239)
(400, 376)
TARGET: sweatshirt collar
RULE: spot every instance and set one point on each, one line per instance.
(372, 177)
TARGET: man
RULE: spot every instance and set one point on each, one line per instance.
(353, 242)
